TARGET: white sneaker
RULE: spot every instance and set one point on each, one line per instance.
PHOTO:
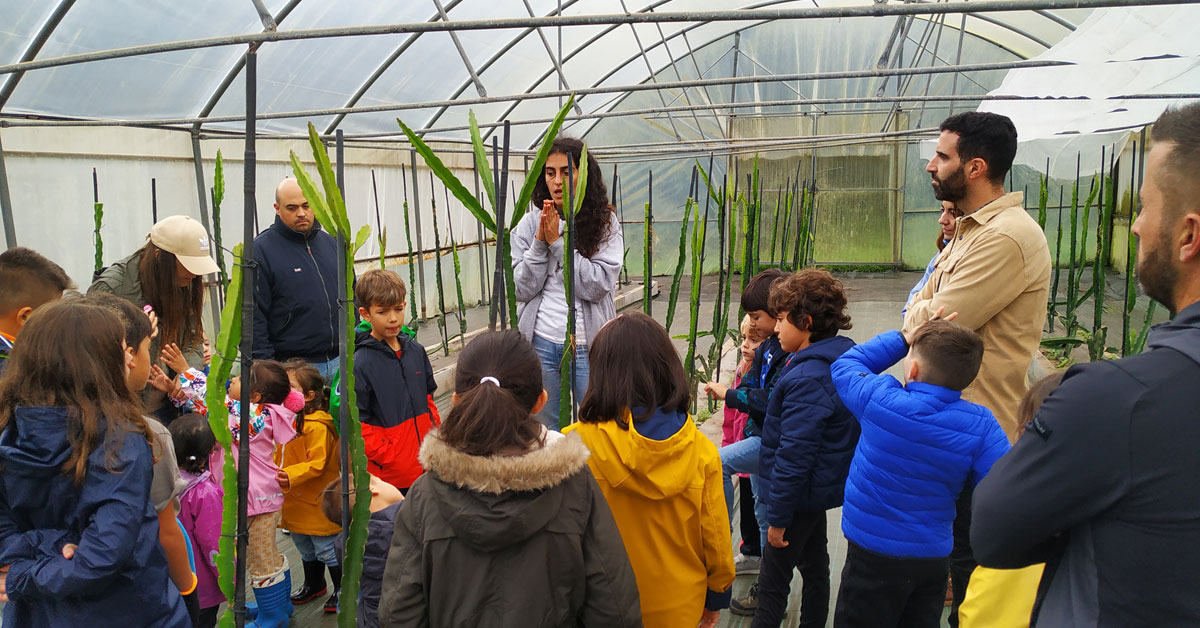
(743, 564)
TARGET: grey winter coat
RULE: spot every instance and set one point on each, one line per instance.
(595, 276)
(507, 541)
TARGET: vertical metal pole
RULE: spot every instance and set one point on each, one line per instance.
(569, 275)
(737, 44)
(648, 272)
(214, 291)
(153, 201)
(417, 218)
(10, 230)
(243, 470)
(343, 350)
(502, 196)
(962, 31)
(483, 287)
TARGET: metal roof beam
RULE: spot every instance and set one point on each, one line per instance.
(35, 46)
(479, 88)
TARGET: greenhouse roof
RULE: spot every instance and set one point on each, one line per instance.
(429, 61)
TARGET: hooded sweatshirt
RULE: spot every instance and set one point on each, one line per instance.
(1102, 485)
(662, 479)
(394, 393)
(521, 541)
(118, 576)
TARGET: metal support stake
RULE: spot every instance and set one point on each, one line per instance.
(214, 287)
(10, 230)
(417, 218)
(343, 350)
(247, 342)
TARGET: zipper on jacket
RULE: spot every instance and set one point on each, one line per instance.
(324, 289)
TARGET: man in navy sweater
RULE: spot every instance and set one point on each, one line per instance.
(296, 312)
(1102, 486)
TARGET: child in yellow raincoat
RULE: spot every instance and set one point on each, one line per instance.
(660, 475)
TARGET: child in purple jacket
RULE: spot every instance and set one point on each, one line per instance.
(200, 508)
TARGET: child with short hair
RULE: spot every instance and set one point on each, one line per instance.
(733, 429)
(27, 281)
(385, 502)
(273, 407)
(921, 444)
(393, 381)
(750, 396)
(78, 531)
(200, 508)
(307, 465)
(808, 440)
(1004, 598)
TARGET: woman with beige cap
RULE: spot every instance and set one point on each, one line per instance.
(165, 274)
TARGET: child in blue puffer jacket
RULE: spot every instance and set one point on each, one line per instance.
(921, 443)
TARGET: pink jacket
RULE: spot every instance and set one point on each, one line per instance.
(200, 514)
(732, 430)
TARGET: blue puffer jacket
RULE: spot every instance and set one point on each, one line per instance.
(808, 438)
(920, 445)
(295, 294)
(118, 576)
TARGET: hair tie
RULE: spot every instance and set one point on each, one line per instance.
(192, 458)
(491, 379)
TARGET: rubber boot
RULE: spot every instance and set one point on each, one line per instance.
(331, 605)
(272, 595)
(314, 583)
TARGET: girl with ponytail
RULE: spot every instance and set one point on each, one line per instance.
(506, 510)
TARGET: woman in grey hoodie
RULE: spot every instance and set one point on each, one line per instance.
(537, 255)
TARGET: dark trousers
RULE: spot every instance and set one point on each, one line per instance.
(208, 617)
(880, 591)
(749, 527)
(807, 550)
(962, 560)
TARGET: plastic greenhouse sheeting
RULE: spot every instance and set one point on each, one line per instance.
(1136, 50)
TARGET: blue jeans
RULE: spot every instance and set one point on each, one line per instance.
(742, 457)
(327, 370)
(551, 356)
(316, 548)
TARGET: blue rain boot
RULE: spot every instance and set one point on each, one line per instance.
(273, 596)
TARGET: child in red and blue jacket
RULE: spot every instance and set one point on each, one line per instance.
(393, 382)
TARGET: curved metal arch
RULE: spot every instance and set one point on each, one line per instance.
(35, 46)
(492, 60)
(234, 71)
(634, 58)
(383, 67)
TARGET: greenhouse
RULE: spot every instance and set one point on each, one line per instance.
(730, 139)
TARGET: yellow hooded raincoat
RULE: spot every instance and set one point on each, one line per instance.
(669, 504)
(311, 461)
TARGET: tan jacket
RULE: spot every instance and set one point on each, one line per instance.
(996, 274)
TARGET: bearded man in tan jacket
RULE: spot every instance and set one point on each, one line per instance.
(995, 273)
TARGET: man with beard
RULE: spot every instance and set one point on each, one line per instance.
(1103, 484)
(995, 273)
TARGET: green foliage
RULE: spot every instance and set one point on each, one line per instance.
(539, 162)
(481, 164)
(647, 269)
(572, 203)
(98, 217)
(699, 231)
(437, 272)
(448, 179)
(218, 196)
(683, 233)
(462, 308)
(224, 355)
(412, 265)
(331, 210)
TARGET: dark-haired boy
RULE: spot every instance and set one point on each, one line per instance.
(385, 502)
(27, 281)
(751, 397)
(393, 381)
(808, 440)
(921, 444)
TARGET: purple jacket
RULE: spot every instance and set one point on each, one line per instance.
(200, 513)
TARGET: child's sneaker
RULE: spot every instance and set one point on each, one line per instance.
(746, 606)
(744, 564)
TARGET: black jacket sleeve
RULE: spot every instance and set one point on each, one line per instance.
(262, 347)
(1071, 463)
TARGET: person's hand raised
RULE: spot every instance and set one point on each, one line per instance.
(173, 357)
(908, 336)
(549, 225)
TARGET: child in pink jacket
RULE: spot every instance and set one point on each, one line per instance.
(732, 431)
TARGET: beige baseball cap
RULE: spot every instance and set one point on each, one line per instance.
(187, 239)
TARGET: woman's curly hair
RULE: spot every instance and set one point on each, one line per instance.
(812, 299)
(593, 221)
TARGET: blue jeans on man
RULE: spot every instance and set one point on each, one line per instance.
(551, 357)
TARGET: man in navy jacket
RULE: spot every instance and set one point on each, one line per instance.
(296, 311)
(1103, 484)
